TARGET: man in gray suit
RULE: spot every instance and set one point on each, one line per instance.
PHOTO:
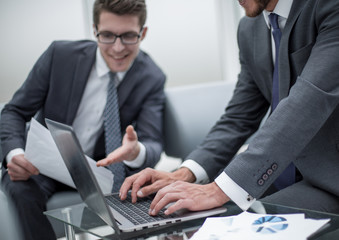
(69, 84)
(303, 129)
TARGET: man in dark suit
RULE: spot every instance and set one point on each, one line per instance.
(302, 129)
(69, 84)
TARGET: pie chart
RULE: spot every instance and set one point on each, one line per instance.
(269, 224)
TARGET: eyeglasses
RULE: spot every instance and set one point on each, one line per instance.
(128, 38)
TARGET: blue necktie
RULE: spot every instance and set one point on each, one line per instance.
(113, 131)
(276, 36)
(287, 178)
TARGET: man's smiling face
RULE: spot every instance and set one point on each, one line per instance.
(119, 56)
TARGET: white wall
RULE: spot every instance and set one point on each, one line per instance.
(28, 27)
(228, 17)
(192, 40)
(183, 38)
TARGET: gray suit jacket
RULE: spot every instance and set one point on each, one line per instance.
(55, 87)
(304, 128)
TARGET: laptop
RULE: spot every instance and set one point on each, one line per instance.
(122, 216)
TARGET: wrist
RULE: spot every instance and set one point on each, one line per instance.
(133, 153)
(184, 174)
(218, 193)
(13, 153)
(136, 151)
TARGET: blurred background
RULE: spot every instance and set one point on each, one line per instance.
(193, 41)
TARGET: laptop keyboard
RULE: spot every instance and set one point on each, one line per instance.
(137, 212)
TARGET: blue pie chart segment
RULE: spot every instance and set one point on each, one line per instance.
(269, 224)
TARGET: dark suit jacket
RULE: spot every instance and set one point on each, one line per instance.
(55, 87)
(304, 128)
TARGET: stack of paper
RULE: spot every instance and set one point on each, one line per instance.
(259, 226)
(43, 153)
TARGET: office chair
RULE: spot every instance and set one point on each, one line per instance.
(190, 112)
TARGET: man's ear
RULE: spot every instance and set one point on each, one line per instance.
(94, 30)
(143, 35)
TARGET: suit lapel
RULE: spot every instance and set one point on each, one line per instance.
(81, 74)
(284, 64)
(262, 49)
(129, 82)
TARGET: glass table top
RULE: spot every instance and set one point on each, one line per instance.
(84, 220)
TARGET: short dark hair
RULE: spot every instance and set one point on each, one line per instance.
(120, 7)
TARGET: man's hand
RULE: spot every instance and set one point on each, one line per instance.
(157, 180)
(128, 151)
(190, 196)
(20, 169)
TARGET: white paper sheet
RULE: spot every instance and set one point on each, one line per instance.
(43, 153)
(259, 226)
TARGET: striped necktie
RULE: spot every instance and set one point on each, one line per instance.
(113, 131)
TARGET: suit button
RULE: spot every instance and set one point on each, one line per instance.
(274, 166)
(269, 171)
(260, 182)
(265, 176)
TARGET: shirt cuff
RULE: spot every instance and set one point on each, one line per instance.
(14, 152)
(139, 160)
(198, 171)
(238, 195)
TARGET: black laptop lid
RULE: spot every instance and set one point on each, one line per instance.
(77, 165)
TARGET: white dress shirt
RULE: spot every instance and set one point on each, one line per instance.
(89, 118)
(227, 185)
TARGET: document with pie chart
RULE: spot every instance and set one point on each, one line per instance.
(259, 226)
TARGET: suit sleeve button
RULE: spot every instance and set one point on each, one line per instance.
(265, 176)
(260, 182)
(274, 166)
(269, 171)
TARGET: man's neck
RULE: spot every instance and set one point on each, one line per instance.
(271, 5)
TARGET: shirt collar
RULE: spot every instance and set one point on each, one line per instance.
(282, 8)
(102, 68)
